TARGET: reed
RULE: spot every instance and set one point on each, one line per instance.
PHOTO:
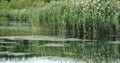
(93, 17)
(17, 10)
(70, 16)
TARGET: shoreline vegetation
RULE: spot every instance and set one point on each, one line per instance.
(71, 17)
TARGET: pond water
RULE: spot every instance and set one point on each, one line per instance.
(59, 49)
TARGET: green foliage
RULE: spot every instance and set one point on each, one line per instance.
(3, 21)
(20, 4)
(18, 10)
(95, 16)
(91, 17)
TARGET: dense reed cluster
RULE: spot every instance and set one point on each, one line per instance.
(72, 17)
(93, 17)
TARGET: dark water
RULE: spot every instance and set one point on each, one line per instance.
(57, 49)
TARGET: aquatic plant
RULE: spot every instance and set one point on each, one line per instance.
(93, 17)
(72, 17)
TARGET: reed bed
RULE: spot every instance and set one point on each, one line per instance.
(71, 17)
(93, 17)
(17, 10)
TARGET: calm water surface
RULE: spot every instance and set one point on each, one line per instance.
(59, 49)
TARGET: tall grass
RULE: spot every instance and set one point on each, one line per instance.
(17, 10)
(71, 16)
(93, 17)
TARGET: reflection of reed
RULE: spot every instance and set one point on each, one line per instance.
(95, 50)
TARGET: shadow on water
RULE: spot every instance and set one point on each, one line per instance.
(53, 49)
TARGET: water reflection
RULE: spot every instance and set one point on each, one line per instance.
(95, 49)
(42, 60)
